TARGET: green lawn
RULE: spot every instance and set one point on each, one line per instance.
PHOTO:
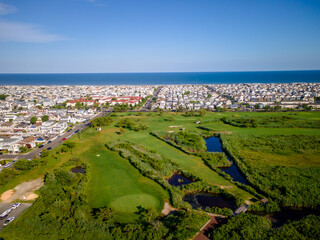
(114, 182)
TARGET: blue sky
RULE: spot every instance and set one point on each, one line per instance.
(72, 36)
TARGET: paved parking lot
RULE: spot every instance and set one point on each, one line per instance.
(14, 213)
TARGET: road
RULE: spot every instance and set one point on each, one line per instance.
(14, 213)
(54, 143)
(146, 107)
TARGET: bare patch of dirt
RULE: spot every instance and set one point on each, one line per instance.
(7, 195)
(223, 187)
(167, 209)
(24, 191)
(31, 196)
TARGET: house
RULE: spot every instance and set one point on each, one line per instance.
(10, 144)
(59, 127)
(46, 127)
(9, 118)
(29, 142)
(7, 127)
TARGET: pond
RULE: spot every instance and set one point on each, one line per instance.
(286, 215)
(179, 180)
(203, 200)
(78, 169)
(214, 145)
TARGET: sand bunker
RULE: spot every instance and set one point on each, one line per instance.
(98, 155)
(167, 209)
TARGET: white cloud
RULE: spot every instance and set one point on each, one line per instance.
(21, 32)
(6, 9)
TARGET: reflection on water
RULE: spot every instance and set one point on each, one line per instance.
(203, 200)
(288, 214)
(214, 145)
(77, 169)
(178, 180)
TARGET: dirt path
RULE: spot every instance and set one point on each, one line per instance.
(209, 227)
(24, 191)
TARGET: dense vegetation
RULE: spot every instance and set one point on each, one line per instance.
(214, 159)
(247, 226)
(285, 168)
(191, 142)
(61, 212)
(101, 122)
(273, 122)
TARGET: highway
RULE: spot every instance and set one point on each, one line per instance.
(54, 143)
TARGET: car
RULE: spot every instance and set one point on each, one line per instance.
(77, 131)
(9, 220)
(69, 130)
(63, 139)
(41, 146)
(5, 213)
(16, 205)
(49, 148)
(49, 141)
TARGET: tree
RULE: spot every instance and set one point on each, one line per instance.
(3, 97)
(33, 120)
(70, 145)
(147, 214)
(202, 112)
(78, 105)
(105, 214)
(45, 118)
(23, 149)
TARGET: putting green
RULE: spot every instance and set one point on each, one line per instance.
(129, 203)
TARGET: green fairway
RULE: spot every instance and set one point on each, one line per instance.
(113, 182)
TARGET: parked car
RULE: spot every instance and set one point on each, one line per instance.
(41, 146)
(63, 139)
(77, 131)
(5, 213)
(9, 220)
(49, 148)
(49, 141)
(16, 205)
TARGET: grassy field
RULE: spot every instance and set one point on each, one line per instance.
(177, 122)
(113, 182)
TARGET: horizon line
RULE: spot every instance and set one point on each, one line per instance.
(305, 70)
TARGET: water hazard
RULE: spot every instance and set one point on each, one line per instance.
(214, 145)
(178, 180)
(287, 215)
(203, 200)
(77, 169)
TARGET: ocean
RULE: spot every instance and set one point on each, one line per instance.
(161, 78)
